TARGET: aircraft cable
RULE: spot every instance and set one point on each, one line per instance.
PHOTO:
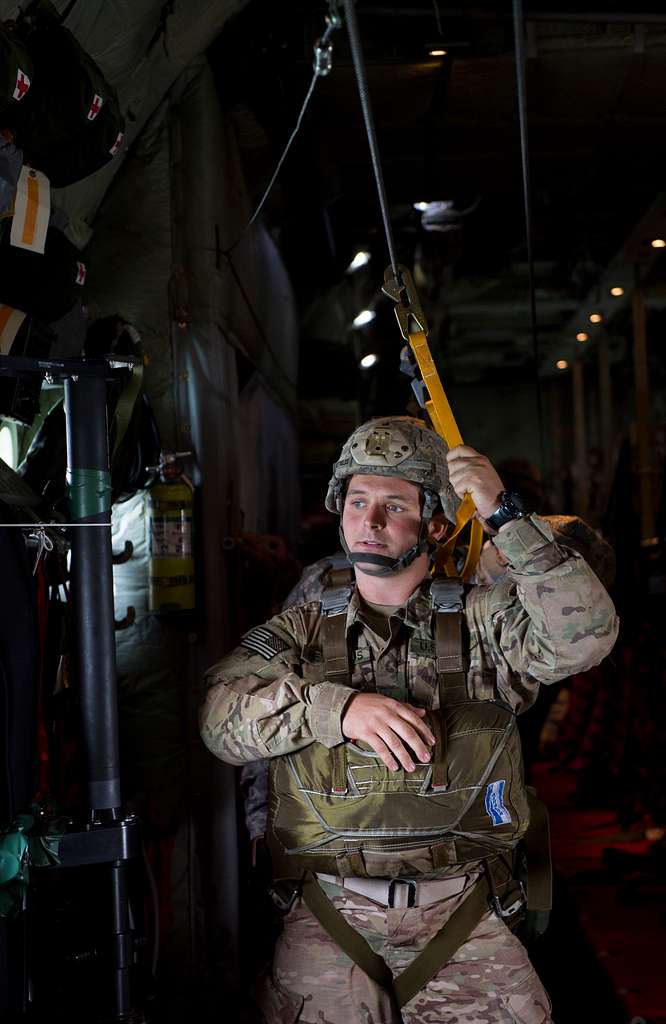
(518, 31)
(322, 66)
(362, 84)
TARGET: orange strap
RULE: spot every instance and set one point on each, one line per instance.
(443, 420)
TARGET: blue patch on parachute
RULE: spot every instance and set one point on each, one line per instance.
(495, 806)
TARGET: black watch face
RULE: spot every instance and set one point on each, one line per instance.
(514, 500)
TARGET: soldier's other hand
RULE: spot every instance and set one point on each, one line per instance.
(473, 473)
(395, 731)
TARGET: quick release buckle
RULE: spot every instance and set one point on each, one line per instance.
(513, 909)
(393, 891)
(282, 897)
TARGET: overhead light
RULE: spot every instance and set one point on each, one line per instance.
(595, 318)
(616, 290)
(366, 316)
(360, 259)
(437, 53)
(582, 336)
(421, 206)
(658, 243)
(369, 360)
(562, 364)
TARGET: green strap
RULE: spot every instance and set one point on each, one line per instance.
(442, 947)
(347, 938)
(536, 844)
(440, 765)
(339, 768)
(89, 492)
(335, 650)
(427, 964)
(451, 674)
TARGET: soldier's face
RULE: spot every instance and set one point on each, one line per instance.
(382, 515)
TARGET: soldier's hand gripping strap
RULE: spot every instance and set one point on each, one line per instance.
(427, 964)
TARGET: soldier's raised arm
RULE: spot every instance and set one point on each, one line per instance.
(551, 616)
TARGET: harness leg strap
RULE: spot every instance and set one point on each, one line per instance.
(436, 954)
(443, 945)
(348, 939)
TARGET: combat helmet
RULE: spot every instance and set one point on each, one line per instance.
(398, 446)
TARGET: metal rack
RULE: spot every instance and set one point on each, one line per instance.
(108, 837)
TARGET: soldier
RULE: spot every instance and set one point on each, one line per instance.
(388, 711)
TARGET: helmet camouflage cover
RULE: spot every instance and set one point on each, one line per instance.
(398, 446)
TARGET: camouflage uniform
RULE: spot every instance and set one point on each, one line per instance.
(489, 979)
(548, 618)
(254, 776)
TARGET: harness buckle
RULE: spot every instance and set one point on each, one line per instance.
(510, 912)
(283, 897)
(411, 891)
(335, 599)
(447, 594)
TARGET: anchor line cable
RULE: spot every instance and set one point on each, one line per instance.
(362, 83)
(320, 70)
(519, 40)
(282, 159)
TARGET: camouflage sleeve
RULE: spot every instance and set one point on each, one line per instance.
(551, 617)
(260, 703)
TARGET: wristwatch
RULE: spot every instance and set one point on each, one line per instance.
(511, 506)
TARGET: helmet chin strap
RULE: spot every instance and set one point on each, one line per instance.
(389, 566)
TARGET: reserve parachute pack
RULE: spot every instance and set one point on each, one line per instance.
(341, 811)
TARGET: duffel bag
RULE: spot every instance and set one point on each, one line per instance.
(16, 76)
(45, 286)
(73, 125)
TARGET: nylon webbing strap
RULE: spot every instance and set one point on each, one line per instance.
(443, 420)
(334, 644)
(347, 938)
(440, 766)
(339, 768)
(443, 945)
(536, 844)
(451, 676)
(342, 576)
(427, 964)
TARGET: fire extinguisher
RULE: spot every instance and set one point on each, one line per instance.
(171, 563)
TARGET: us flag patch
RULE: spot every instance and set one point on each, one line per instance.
(263, 642)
